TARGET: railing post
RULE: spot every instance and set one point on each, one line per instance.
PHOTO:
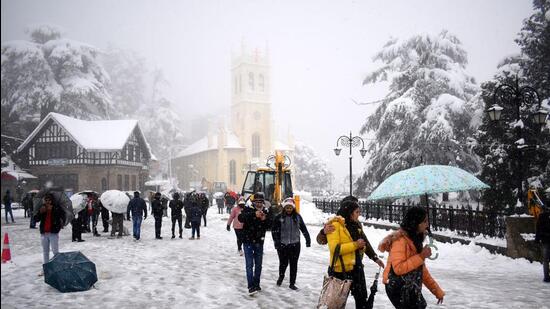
(390, 214)
(470, 218)
(451, 218)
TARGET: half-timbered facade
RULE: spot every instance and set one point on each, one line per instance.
(87, 155)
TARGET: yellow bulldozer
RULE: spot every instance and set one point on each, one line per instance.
(274, 181)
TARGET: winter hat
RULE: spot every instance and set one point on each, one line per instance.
(289, 201)
(259, 196)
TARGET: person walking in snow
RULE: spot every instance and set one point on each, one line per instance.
(8, 200)
(220, 204)
(255, 221)
(204, 204)
(77, 223)
(176, 206)
(237, 225)
(286, 237)
(229, 200)
(157, 210)
(542, 236)
(104, 217)
(96, 211)
(352, 242)
(51, 217)
(195, 215)
(406, 270)
(139, 213)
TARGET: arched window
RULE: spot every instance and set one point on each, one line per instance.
(104, 184)
(256, 145)
(232, 172)
(261, 83)
(251, 81)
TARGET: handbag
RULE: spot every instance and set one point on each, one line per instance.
(406, 289)
(335, 291)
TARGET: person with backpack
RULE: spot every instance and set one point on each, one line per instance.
(157, 210)
(176, 206)
(406, 270)
(286, 237)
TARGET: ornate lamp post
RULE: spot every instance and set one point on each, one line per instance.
(350, 141)
(517, 96)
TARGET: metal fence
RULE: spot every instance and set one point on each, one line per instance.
(464, 220)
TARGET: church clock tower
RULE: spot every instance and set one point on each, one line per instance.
(251, 103)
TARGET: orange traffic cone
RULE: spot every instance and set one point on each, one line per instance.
(6, 254)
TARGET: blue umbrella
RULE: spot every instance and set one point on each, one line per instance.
(426, 179)
(70, 272)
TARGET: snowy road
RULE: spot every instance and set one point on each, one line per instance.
(209, 273)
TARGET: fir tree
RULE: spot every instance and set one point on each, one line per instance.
(311, 172)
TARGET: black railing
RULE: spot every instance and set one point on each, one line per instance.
(464, 220)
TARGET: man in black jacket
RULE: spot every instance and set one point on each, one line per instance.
(542, 236)
(286, 237)
(139, 213)
(175, 212)
(157, 211)
(255, 222)
(51, 217)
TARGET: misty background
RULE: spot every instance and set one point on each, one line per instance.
(320, 51)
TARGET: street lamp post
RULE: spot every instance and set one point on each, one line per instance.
(517, 97)
(350, 141)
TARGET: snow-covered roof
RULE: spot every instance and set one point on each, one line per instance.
(278, 145)
(100, 135)
(201, 145)
(18, 174)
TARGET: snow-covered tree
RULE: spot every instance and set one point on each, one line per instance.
(311, 172)
(427, 116)
(53, 74)
(505, 166)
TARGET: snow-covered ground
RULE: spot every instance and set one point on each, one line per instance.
(209, 273)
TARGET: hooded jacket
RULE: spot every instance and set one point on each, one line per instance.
(404, 258)
(342, 236)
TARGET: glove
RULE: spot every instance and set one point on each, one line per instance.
(228, 228)
(308, 244)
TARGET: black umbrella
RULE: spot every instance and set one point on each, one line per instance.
(70, 272)
(59, 197)
(373, 290)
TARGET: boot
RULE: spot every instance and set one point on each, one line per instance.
(280, 280)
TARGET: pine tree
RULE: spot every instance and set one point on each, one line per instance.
(427, 116)
(311, 172)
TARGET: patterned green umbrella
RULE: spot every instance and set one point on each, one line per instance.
(426, 179)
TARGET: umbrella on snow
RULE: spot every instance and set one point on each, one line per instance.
(70, 272)
(60, 198)
(115, 201)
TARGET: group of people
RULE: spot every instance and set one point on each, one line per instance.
(226, 201)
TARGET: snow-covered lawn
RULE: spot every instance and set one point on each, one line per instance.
(209, 273)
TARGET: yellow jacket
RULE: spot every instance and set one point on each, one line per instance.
(342, 236)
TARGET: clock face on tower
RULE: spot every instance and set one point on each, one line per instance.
(257, 115)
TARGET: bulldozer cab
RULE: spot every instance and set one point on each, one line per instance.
(263, 180)
(274, 180)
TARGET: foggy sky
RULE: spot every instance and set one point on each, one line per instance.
(320, 51)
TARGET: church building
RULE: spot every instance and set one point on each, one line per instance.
(228, 151)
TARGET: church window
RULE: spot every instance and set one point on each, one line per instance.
(251, 81)
(232, 172)
(261, 83)
(256, 145)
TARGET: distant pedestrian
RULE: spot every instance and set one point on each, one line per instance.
(255, 221)
(8, 200)
(96, 212)
(229, 200)
(77, 224)
(195, 214)
(139, 213)
(286, 237)
(237, 225)
(204, 204)
(104, 217)
(406, 270)
(542, 236)
(164, 202)
(186, 207)
(176, 206)
(157, 211)
(51, 217)
(220, 204)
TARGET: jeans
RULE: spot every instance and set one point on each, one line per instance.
(253, 254)
(49, 239)
(8, 210)
(137, 225)
(174, 219)
(289, 254)
(546, 260)
(195, 227)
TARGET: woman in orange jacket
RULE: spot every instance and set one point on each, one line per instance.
(406, 271)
